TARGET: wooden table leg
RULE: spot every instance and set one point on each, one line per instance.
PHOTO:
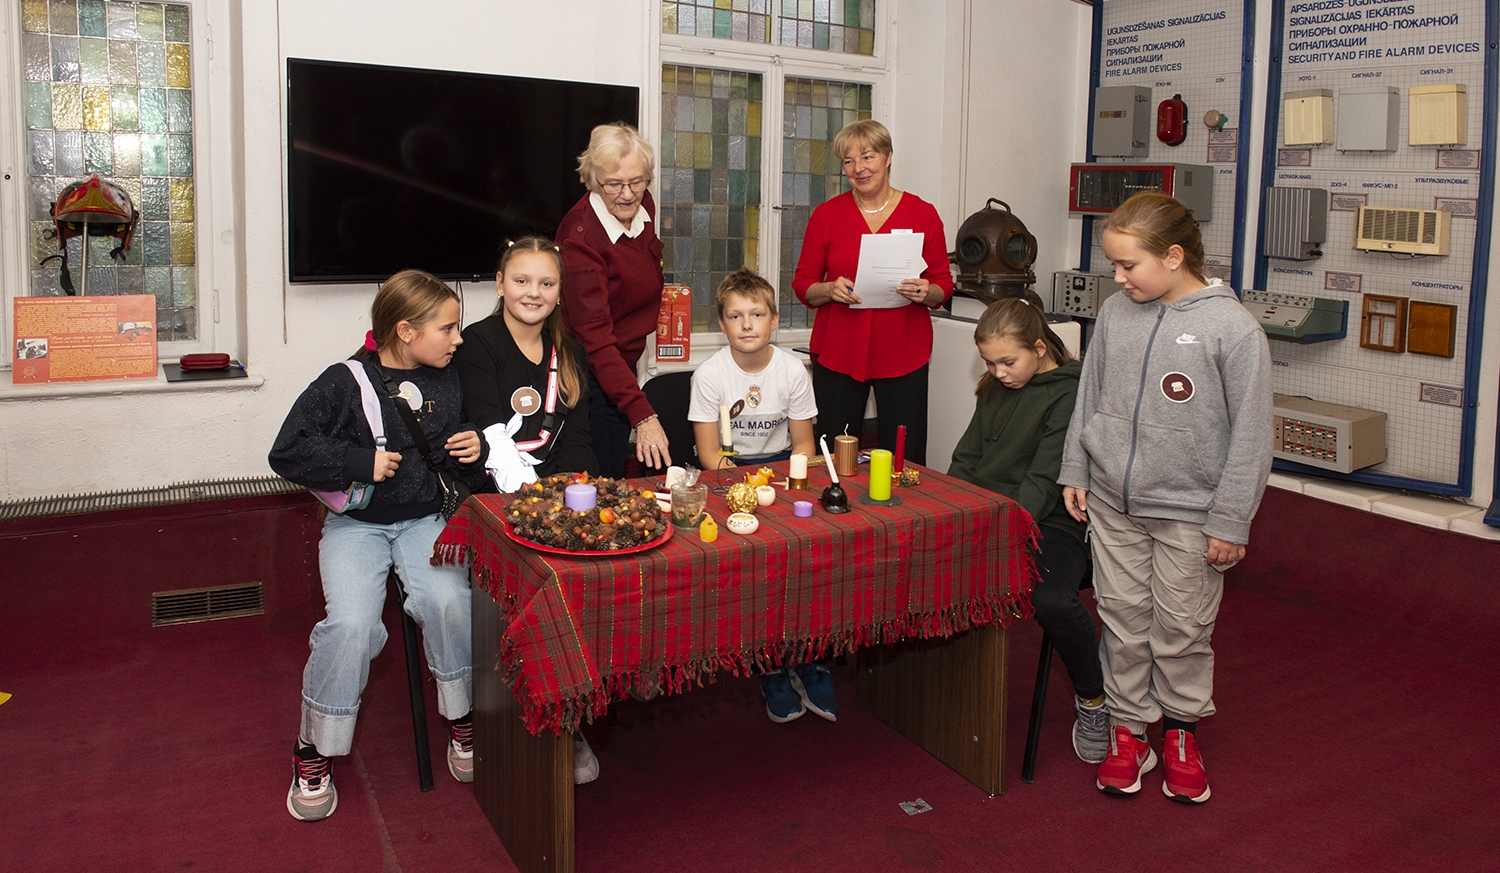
(524, 783)
(947, 696)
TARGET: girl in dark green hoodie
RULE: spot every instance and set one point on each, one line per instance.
(1014, 445)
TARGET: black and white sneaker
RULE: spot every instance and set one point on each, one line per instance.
(461, 749)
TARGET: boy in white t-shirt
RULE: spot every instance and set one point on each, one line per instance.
(769, 396)
(767, 390)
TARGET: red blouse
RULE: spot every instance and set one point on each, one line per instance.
(869, 343)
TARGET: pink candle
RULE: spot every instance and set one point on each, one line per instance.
(900, 447)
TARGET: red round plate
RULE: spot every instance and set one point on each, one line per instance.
(597, 553)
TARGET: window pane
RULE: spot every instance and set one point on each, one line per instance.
(812, 115)
(108, 92)
(709, 210)
(846, 26)
(736, 20)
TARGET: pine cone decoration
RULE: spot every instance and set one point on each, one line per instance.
(741, 497)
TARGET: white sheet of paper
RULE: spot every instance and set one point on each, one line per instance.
(884, 260)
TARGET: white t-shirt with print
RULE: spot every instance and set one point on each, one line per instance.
(780, 392)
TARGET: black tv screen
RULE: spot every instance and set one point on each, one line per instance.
(392, 167)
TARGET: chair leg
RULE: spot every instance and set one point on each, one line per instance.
(1038, 702)
(414, 686)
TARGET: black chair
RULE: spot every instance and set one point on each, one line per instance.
(670, 395)
(414, 684)
(1039, 694)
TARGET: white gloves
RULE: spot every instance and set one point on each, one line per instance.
(510, 466)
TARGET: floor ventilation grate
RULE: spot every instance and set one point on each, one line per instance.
(206, 604)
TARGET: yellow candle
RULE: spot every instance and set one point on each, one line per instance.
(708, 531)
(880, 474)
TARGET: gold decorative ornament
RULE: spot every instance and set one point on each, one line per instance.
(741, 497)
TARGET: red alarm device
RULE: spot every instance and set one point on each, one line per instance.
(1171, 121)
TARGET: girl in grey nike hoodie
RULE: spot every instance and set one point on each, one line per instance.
(1168, 452)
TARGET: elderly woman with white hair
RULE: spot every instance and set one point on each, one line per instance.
(611, 291)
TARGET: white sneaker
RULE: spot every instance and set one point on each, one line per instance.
(585, 764)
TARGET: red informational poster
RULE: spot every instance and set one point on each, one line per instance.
(81, 339)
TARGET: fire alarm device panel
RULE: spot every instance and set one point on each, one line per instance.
(1171, 120)
(1095, 189)
(1326, 435)
(1122, 121)
(1300, 318)
(1307, 117)
(1081, 294)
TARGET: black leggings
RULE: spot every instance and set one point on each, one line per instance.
(1061, 561)
(898, 400)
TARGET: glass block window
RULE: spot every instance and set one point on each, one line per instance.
(741, 20)
(709, 214)
(108, 90)
(813, 112)
(846, 26)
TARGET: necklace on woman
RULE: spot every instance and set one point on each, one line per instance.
(880, 209)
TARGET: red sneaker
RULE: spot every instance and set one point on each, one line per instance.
(1187, 782)
(1127, 759)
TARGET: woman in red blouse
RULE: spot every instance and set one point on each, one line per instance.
(854, 350)
(611, 291)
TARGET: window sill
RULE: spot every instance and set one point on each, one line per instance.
(120, 387)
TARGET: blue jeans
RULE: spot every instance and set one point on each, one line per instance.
(354, 557)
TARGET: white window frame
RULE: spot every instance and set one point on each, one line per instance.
(219, 248)
(774, 63)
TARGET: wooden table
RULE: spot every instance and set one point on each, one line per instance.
(923, 591)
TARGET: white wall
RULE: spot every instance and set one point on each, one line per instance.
(955, 148)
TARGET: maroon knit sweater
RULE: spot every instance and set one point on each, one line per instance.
(611, 295)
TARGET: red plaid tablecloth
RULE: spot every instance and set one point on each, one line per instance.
(584, 631)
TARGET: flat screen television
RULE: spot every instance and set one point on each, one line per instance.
(393, 167)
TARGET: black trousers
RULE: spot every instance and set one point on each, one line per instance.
(898, 400)
(610, 431)
(1061, 561)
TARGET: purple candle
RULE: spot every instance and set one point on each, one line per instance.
(802, 509)
(580, 498)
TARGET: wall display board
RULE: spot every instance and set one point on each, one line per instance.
(82, 339)
(1380, 61)
(1193, 51)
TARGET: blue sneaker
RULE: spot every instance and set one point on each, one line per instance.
(814, 684)
(782, 703)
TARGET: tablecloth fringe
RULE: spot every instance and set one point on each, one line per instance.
(568, 715)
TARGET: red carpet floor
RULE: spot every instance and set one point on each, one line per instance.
(1346, 741)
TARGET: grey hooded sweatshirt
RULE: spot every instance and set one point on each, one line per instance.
(1173, 418)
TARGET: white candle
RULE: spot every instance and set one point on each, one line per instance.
(726, 436)
(828, 459)
(799, 466)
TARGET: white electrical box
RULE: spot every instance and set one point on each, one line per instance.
(1439, 115)
(1326, 435)
(1081, 294)
(1122, 121)
(1369, 119)
(1307, 117)
(1407, 230)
